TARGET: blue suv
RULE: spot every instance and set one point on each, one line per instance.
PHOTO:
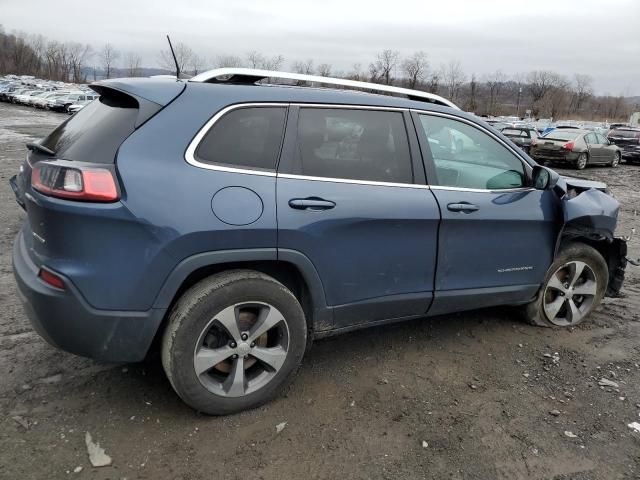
(234, 221)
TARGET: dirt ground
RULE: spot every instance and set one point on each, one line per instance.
(463, 396)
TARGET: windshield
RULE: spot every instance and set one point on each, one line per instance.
(625, 133)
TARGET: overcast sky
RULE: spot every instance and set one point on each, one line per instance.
(597, 37)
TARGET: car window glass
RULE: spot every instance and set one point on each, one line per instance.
(246, 137)
(601, 139)
(590, 138)
(353, 144)
(533, 133)
(466, 157)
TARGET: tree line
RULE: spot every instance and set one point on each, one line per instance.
(543, 93)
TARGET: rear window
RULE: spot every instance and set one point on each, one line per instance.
(625, 133)
(95, 133)
(511, 132)
(246, 138)
(561, 135)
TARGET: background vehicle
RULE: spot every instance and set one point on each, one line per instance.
(523, 137)
(628, 140)
(576, 147)
(140, 191)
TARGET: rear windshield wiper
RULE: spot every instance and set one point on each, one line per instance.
(36, 146)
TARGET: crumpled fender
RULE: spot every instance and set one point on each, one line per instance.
(592, 210)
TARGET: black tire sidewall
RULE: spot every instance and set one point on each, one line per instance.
(195, 310)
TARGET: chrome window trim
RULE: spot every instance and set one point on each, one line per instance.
(193, 145)
(353, 181)
(257, 74)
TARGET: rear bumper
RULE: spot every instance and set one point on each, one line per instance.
(66, 321)
(554, 157)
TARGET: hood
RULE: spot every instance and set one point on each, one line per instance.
(581, 184)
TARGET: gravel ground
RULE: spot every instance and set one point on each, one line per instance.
(478, 395)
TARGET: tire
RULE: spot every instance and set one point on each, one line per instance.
(196, 333)
(582, 161)
(554, 291)
(616, 160)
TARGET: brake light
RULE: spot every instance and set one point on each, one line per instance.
(569, 146)
(51, 279)
(93, 184)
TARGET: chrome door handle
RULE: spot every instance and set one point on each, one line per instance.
(463, 207)
(312, 203)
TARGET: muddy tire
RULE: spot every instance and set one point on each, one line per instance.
(573, 287)
(233, 341)
(582, 161)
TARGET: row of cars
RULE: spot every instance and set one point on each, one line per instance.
(575, 145)
(56, 96)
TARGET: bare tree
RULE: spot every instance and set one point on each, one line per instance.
(133, 63)
(582, 90)
(324, 69)
(273, 63)
(433, 82)
(108, 57)
(415, 68)
(305, 68)
(494, 82)
(196, 64)
(453, 77)
(255, 59)
(473, 90)
(384, 66)
(227, 61)
(541, 81)
(183, 57)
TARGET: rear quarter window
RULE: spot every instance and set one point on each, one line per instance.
(248, 137)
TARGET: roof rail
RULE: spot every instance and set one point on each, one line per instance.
(250, 76)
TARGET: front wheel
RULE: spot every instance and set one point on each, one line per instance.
(233, 341)
(581, 162)
(573, 287)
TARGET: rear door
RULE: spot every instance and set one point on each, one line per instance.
(595, 149)
(497, 235)
(607, 150)
(351, 198)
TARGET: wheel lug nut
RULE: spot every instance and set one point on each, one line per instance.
(244, 336)
(253, 344)
(232, 344)
(235, 355)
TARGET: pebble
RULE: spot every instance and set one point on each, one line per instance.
(604, 382)
(78, 469)
(570, 434)
(425, 444)
(525, 375)
(280, 427)
(555, 413)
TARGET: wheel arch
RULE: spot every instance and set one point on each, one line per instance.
(292, 268)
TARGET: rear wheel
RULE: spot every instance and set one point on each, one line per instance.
(233, 341)
(574, 286)
(581, 162)
(616, 160)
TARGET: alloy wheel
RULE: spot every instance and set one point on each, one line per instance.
(582, 161)
(616, 159)
(570, 293)
(241, 349)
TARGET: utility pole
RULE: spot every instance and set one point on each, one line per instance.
(518, 106)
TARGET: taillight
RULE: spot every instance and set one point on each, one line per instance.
(569, 146)
(77, 182)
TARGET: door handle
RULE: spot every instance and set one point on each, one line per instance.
(312, 203)
(463, 207)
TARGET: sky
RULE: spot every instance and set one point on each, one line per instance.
(600, 38)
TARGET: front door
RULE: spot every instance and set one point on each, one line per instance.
(497, 235)
(349, 200)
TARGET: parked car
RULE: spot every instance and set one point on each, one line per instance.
(62, 104)
(523, 137)
(79, 105)
(42, 100)
(236, 222)
(575, 147)
(628, 140)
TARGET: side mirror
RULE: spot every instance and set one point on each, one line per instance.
(544, 178)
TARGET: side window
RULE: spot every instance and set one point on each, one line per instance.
(466, 157)
(590, 138)
(601, 139)
(533, 134)
(353, 144)
(245, 138)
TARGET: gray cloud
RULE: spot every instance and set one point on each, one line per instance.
(596, 37)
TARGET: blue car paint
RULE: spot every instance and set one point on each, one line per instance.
(382, 253)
